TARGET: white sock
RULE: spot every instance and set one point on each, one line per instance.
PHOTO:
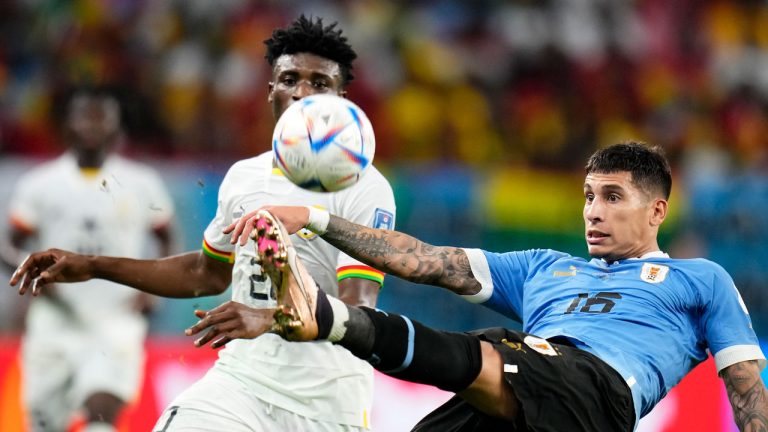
(340, 318)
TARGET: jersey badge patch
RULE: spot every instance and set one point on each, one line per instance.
(540, 345)
(654, 273)
(383, 219)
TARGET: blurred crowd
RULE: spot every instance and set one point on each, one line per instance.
(536, 82)
(480, 84)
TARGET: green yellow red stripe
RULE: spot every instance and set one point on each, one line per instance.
(361, 272)
(227, 257)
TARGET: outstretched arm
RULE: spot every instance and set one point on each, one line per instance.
(389, 251)
(191, 274)
(404, 256)
(748, 396)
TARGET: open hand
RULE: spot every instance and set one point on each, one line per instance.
(293, 218)
(53, 265)
(231, 320)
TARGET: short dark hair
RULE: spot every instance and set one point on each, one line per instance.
(309, 35)
(647, 165)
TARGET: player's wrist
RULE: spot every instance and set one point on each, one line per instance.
(95, 267)
(318, 220)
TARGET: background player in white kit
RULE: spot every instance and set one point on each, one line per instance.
(264, 384)
(83, 344)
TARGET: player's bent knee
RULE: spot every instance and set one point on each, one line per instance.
(490, 392)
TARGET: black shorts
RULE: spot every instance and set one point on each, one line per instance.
(560, 388)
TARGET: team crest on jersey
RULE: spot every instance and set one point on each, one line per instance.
(540, 345)
(654, 273)
(383, 219)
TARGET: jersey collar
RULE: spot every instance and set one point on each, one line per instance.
(654, 254)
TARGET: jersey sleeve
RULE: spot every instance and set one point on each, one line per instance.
(502, 277)
(160, 202)
(372, 206)
(727, 325)
(215, 243)
(24, 211)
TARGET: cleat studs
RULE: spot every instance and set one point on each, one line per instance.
(295, 324)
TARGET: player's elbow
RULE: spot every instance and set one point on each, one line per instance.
(215, 284)
(212, 277)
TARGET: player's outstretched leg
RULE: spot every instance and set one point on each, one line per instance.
(393, 343)
(292, 286)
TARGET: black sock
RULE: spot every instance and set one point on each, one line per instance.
(323, 315)
(410, 351)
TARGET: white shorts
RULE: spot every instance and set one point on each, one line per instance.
(218, 402)
(65, 360)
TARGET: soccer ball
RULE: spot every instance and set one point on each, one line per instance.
(323, 143)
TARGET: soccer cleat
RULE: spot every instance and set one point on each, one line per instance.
(292, 286)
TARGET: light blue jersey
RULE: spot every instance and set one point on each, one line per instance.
(652, 319)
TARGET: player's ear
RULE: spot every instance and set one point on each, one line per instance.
(659, 211)
(270, 96)
(342, 93)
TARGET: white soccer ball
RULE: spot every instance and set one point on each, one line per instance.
(323, 143)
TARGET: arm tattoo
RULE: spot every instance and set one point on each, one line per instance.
(404, 256)
(748, 396)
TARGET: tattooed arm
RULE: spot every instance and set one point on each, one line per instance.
(389, 251)
(404, 256)
(748, 396)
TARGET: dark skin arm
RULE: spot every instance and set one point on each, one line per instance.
(145, 302)
(748, 396)
(233, 320)
(359, 292)
(192, 274)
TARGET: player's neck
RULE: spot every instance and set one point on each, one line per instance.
(90, 160)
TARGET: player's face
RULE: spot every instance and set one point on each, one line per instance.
(93, 123)
(295, 76)
(621, 220)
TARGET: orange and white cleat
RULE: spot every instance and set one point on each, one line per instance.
(292, 285)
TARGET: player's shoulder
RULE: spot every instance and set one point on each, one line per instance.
(698, 267)
(373, 174)
(121, 163)
(552, 255)
(251, 166)
(43, 172)
(537, 257)
(138, 174)
(372, 180)
(246, 175)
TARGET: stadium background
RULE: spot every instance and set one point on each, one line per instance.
(484, 113)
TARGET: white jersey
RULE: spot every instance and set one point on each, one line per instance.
(88, 336)
(110, 213)
(317, 380)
